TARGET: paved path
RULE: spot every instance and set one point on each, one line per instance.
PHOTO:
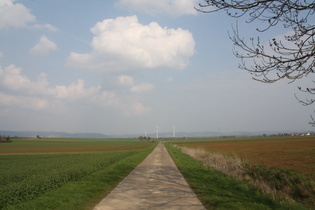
(155, 184)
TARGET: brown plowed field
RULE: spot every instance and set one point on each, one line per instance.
(292, 153)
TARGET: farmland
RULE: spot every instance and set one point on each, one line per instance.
(78, 173)
(281, 167)
(287, 153)
(46, 146)
(218, 191)
(75, 172)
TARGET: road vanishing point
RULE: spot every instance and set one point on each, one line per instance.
(156, 183)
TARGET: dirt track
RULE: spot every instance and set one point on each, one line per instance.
(155, 184)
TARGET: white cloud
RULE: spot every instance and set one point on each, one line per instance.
(14, 15)
(46, 26)
(18, 90)
(30, 102)
(1, 54)
(124, 44)
(43, 47)
(169, 7)
(12, 79)
(75, 91)
(18, 16)
(128, 81)
(125, 80)
(136, 109)
(141, 88)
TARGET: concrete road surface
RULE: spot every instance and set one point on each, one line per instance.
(155, 184)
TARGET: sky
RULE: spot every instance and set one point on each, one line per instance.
(126, 66)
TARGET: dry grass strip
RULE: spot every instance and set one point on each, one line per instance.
(231, 166)
(235, 167)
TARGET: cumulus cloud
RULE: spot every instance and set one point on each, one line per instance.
(43, 47)
(123, 44)
(128, 81)
(12, 79)
(25, 101)
(125, 80)
(75, 91)
(17, 89)
(14, 15)
(17, 15)
(169, 7)
(136, 109)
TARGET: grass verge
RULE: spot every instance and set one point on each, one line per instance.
(280, 183)
(219, 191)
(87, 191)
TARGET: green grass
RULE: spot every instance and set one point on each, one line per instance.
(63, 181)
(218, 191)
(293, 185)
(51, 146)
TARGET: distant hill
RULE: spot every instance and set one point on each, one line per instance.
(203, 134)
(51, 134)
(220, 134)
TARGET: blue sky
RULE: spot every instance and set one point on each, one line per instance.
(125, 66)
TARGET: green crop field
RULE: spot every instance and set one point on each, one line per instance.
(45, 146)
(65, 173)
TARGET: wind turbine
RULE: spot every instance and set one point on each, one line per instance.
(174, 132)
(157, 132)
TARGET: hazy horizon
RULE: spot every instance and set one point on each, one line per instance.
(125, 66)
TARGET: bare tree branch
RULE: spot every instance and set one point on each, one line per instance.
(289, 57)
